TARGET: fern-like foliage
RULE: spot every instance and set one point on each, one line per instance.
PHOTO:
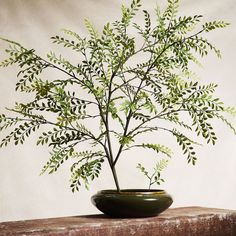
(109, 98)
(87, 168)
(155, 176)
(158, 148)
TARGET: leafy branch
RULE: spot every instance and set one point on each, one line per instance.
(155, 177)
(122, 98)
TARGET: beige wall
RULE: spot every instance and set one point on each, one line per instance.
(25, 195)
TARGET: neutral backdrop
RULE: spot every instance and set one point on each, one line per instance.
(26, 195)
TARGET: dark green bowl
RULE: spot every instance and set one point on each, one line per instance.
(132, 203)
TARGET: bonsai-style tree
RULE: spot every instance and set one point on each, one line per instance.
(125, 85)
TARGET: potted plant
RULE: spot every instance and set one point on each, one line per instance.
(127, 89)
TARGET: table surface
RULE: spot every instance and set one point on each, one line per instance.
(174, 221)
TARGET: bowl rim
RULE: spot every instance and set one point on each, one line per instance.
(132, 191)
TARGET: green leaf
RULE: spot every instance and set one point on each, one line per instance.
(93, 32)
(158, 148)
(187, 146)
(85, 170)
(214, 25)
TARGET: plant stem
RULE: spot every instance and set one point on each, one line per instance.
(115, 178)
(112, 167)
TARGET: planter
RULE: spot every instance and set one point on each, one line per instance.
(132, 202)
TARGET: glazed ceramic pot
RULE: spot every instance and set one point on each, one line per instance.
(132, 203)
